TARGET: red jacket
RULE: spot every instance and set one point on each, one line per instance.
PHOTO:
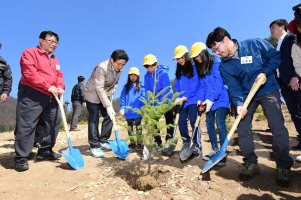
(40, 71)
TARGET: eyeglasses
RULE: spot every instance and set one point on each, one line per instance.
(51, 42)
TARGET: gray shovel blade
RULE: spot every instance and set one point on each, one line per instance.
(187, 152)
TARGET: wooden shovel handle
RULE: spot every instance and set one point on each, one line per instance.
(63, 116)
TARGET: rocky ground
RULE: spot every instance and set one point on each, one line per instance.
(112, 178)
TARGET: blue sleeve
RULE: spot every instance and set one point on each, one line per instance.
(234, 88)
(271, 55)
(202, 90)
(122, 98)
(165, 82)
(146, 85)
(177, 86)
(217, 85)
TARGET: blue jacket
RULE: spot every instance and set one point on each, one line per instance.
(131, 99)
(162, 81)
(212, 87)
(239, 78)
(189, 87)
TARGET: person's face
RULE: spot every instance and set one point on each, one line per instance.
(222, 48)
(118, 65)
(133, 78)
(151, 68)
(181, 60)
(276, 31)
(49, 44)
(198, 59)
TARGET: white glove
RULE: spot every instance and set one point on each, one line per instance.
(111, 112)
(209, 104)
(122, 112)
(179, 101)
(84, 104)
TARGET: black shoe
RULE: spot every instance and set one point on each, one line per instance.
(21, 165)
(249, 171)
(284, 177)
(48, 155)
(297, 147)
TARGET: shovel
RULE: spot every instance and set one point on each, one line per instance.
(119, 147)
(218, 156)
(72, 155)
(168, 150)
(187, 152)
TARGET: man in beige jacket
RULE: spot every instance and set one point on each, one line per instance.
(98, 94)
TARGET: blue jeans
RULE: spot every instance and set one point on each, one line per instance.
(219, 116)
(189, 112)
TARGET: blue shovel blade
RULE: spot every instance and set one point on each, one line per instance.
(73, 156)
(120, 148)
(214, 160)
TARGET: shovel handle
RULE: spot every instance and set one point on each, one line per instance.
(63, 116)
(254, 89)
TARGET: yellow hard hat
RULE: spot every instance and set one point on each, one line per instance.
(180, 51)
(149, 59)
(134, 70)
(196, 49)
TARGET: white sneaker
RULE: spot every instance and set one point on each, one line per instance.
(209, 155)
(106, 146)
(298, 158)
(97, 152)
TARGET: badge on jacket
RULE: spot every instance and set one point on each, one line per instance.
(57, 67)
(246, 60)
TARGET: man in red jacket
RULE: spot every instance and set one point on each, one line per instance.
(41, 80)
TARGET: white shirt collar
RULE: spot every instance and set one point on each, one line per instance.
(280, 41)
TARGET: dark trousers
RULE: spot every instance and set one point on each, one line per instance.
(93, 131)
(272, 108)
(293, 102)
(191, 112)
(169, 119)
(76, 111)
(137, 123)
(31, 106)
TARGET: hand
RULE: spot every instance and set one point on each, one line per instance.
(179, 101)
(199, 103)
(294, 83)
(3, 98)
(208, 104)
(111, 112)
(122, 112)
(53, 90)
(84, 104)
(60, 91)
(259, 76)
(241, 111)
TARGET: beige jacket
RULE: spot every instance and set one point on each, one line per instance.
(296, 56)
(102, 84)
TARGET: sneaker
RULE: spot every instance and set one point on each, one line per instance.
(105, 146)
(209, 155)
(196, 152)
(283, 176)
(132, 148)
(298, 158)
(297, 147)
(96, 152)
(249, 171)
(21, 165)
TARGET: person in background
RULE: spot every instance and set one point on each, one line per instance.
(130, 96)
(5, 80)
(214, 96)
(243, 63)
(77, 99)
(41, 80)
(99, 92)
(288, 78)
(188, 85)
(157, 75)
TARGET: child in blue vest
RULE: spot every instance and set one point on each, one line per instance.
(215, 96)
(130, 96)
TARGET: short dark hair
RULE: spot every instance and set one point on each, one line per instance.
(80, 78)
(43, 35)
(119, 54)
(280, 22)
(216, 35)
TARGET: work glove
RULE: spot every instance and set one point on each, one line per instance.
(208, 104)
(179, 101)
(111, 112)
(122, 112)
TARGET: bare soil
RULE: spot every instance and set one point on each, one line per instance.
(112, 178)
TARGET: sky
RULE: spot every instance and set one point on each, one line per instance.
(91, 30)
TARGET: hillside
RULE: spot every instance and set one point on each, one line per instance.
(8, 114)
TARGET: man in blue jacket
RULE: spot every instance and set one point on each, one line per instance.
(242, 64)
